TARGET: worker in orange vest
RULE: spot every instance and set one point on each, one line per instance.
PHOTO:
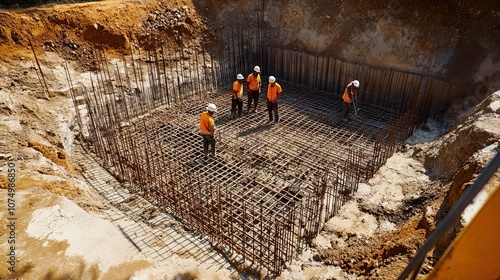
(349, 97)
(237, 98)
(207, 129)
(253, 88)
(273, 93)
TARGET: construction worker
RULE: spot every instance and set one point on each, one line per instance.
(237, 98)
(253, 88)
(273, 94)
(207, 129)
(349, 97)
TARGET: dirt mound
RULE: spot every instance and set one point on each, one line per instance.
(57, 156)
(74, 31)
(482, 128)
(383, 252)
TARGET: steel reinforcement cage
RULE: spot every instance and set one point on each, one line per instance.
(261, 206)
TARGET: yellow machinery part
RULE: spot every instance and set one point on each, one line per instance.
(475, 252)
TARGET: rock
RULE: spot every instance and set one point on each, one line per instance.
(13, 125)
(427, 219)
(321, 242)
(15, 37)
(234, 276)
(61, 155)
(263, 273)
(49, 44)
(6, 104)
(67, 41)
(7, 157)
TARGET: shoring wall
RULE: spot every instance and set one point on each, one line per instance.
(386, 88)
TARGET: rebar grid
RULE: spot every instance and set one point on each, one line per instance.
(271, 186)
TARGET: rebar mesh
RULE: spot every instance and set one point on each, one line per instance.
(272, 185)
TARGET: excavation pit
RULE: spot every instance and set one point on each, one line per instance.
(271, 186)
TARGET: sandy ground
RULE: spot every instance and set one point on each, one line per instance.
(74, 220)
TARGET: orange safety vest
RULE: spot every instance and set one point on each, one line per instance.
(207, 126)
(253, 82)
(349, 92)
(273, 92)
(238, 90)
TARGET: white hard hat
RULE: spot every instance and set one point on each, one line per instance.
(272, 79)
(212, 108)
(240, 77)
(256, 69)
(355, 83)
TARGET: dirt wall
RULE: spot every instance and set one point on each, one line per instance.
(453, 40)
(480, 129)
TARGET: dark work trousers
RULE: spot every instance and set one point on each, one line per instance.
(253, 95)
(347, 106)
(207, 139)
(273, 107)
(236, 102)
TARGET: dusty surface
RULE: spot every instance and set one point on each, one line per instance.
(94, 227)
